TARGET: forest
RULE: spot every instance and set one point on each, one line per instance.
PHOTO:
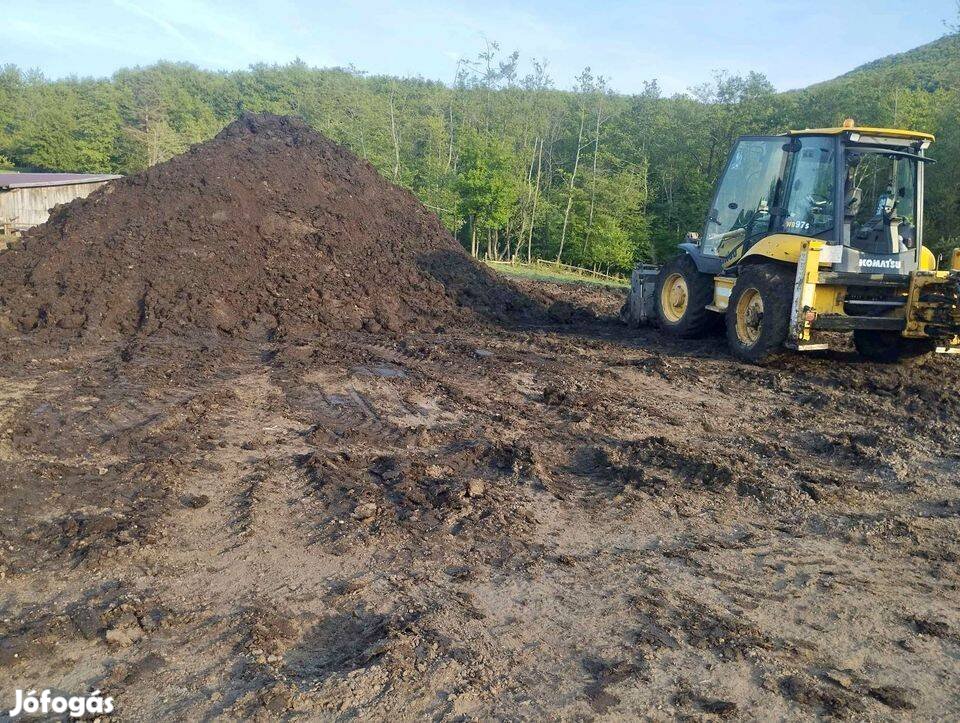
(515, 167)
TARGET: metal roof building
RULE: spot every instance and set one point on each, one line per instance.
(26, 198)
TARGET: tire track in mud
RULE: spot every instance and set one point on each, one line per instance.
(241, 497)
(411, 453)
(235, 529)
(256, 534)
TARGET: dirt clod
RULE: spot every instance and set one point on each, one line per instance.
(476, 488)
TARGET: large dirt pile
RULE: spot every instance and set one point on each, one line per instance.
(269, 226)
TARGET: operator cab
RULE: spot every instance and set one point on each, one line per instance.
(858, 189)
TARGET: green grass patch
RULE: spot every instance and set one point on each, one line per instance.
(549, 272)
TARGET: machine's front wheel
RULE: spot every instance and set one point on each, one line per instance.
(682, 295)
(888, 347)
(758, 314)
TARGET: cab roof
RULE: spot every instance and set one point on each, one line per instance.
(864, 130)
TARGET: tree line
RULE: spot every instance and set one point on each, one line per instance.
(515, 167)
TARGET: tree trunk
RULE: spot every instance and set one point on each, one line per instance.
(533, 212)
(593, 189)
(396, 142)
(450, 147)
(713, 151)
(573, 178)
(525, 208)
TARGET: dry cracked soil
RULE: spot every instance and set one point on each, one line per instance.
(560, 520)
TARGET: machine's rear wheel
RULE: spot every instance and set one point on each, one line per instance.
(682, 295)
(758, 314)
(888, 347)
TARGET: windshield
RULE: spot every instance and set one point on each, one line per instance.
(810, 209)
(745, 195)
(881, 202)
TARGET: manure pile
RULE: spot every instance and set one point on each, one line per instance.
(269, 228)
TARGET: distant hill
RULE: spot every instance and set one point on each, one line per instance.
(930, 67)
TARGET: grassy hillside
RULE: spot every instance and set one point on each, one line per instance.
(930, 67)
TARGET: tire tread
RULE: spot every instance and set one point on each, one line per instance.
(775, 284)
(697, 320)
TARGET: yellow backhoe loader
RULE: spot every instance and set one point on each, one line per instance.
(812, 231)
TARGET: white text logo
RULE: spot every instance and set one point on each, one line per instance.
(880, 263)
(78, 706)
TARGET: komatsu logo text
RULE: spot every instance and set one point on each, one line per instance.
(880, 263)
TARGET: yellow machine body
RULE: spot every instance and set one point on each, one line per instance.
(788, 248)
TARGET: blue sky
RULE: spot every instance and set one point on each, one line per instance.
(679, 42)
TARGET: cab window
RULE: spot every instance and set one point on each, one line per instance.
(810, 205)
(746, 194)
(881, 194)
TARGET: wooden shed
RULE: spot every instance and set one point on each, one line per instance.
(26, 198)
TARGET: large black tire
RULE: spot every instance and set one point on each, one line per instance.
(888, 347)
(758, 314)
(685, 317)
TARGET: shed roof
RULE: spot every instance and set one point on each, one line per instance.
(34, 180)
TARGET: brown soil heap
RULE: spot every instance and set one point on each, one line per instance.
(269, 226)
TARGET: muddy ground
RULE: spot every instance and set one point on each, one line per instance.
(567, 520)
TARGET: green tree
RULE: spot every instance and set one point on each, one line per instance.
(487, 187)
